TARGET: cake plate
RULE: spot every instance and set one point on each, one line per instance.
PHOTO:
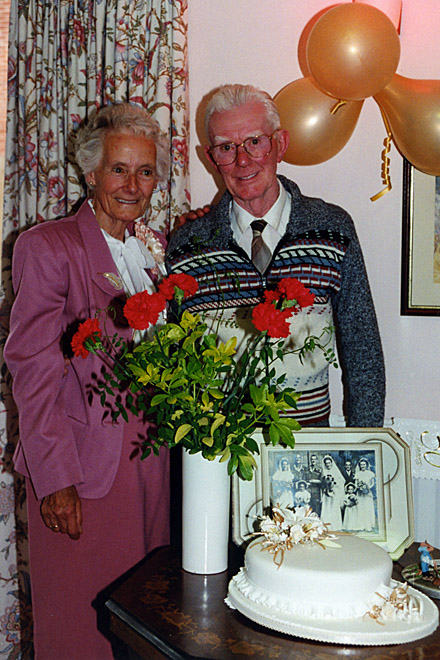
(363, 631)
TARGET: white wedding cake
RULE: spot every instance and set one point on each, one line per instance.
(301, 579)
(316, 581)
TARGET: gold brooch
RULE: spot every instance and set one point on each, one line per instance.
(114, 280)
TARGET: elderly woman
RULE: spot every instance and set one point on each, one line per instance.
(95, 509)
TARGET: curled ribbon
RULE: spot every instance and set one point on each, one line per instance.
(385, 171)
(337, 105)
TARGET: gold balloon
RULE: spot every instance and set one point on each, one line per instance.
(353, 51)
(315, 133)
(412, 109)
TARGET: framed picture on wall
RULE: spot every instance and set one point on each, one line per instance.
(420, 243)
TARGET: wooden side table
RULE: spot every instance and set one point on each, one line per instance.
(161, 611)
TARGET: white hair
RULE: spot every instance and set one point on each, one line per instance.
(120, 118)
(228, 97)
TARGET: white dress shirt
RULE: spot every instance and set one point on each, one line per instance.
(277, 218)
(131, 257)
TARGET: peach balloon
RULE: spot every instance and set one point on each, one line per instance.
(315, 133)
(392, 8)
(353, 51)
(412, 109)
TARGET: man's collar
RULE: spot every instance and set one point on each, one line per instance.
(272, 216)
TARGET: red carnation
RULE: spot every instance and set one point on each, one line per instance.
(89, 330)
(272, 296)
(293, 289)
(266, 316)
(186, 283)
(143, 309)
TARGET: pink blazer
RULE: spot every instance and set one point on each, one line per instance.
(65, 435)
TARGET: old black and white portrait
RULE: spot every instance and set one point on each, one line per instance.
(343, 485)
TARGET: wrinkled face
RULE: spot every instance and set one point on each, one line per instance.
(251, 181)
(124, 180)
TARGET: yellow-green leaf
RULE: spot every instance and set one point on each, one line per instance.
(181, 432)
(225, 455)
(188, 320)
(216, 394)
(245, 467)
(219, 420)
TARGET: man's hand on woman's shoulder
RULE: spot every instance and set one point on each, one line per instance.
(180, 220)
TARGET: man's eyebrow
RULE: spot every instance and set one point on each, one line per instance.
(221, 138)
(228, 139)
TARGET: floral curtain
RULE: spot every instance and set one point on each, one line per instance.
(67, 57)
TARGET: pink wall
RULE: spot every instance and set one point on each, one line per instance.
(256, 41)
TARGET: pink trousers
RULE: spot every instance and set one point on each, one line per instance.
(118, 531)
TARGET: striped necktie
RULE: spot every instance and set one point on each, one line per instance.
(260, 254)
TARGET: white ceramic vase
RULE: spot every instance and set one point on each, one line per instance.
(205, 514)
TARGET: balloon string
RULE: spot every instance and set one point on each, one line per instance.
(337, 105)
(385, 171)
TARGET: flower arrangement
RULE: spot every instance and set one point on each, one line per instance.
(188, 381)
(288, 527)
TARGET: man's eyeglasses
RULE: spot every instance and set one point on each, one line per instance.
(256, 147)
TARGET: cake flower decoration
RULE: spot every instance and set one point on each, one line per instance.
(397, 604)
(288, 527)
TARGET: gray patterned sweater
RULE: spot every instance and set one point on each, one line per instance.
(321, 249)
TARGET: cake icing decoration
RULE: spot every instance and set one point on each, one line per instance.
(288, 527)
(396, 604)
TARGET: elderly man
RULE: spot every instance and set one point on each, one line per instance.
(235, 259)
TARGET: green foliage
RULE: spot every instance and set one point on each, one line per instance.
(200, 397)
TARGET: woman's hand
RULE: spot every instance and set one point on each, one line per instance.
(61, 512)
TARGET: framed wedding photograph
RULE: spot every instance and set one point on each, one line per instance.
(420, 290)
(342, 484)
(377, 459)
